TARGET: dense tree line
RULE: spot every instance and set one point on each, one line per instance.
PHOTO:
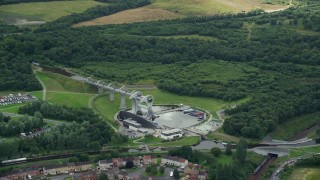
(60, 112)
(10, 29)
(11, 127)
(262, 114)
(309, 162)
(85, 132)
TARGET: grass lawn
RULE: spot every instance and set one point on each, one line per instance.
(150, 140)
(296, 125)
(69, 98)
(224, 159)
(57, 82)
(46, 11)
(209, 7)
(37, 94)
(210, 104)
(187, 141)
(219, 134)
(108, 109)
(305, 173)
(296, 152)
(12, 108)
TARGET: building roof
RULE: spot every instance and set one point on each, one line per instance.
(177, 159)
(55, 166)
(108, 161)
(82, 163)
(70, 164)
(132, 122)
(124, 173)
(146, 157)
(171, 131)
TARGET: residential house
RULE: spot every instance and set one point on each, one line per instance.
(123, 175)
(83, 166)
(174, 161)
(56, 169)
(117, 162)
(137, 161)
(147, 159)
(23, 173)
(134, 176)
(112, 173)
(202, 175)
(192, 169)
(89, 175)
(105, 164)
(71, 167)
(154, 159)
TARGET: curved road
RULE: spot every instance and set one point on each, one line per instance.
(44, 89)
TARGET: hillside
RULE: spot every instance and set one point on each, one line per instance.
(170, 9)
(43, 11)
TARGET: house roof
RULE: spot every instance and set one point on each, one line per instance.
(108, 161)
(146, 157)
(82, 163)
(190, 165)
(70, 164)
(124, 173)
(55, 166)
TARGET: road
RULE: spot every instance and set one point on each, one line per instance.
(44, 91)
(280, 9)
(63, 176)
(276, 174)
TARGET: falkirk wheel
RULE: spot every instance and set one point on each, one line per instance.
(139, 101)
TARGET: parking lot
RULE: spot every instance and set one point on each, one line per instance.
(16, 99)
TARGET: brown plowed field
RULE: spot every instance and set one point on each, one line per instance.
(132, 15)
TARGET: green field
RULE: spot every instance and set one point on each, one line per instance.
(296, 125)
(206, 7)
(103, 105)
(187, 141)
(296, 152)
(305, 173)
(156, 142)
(57, 82)
(45, 11)
(220, 135)
(224, 159)
(69, 98)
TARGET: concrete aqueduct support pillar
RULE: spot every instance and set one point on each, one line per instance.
(123, 102)
(111, 95)
(100, 90)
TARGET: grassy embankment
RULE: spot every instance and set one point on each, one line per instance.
(170, 9)
(296, 125)
(64, 90)
(305, 173)
(45, 11)
(296, 152)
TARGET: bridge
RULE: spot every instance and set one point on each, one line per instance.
(138, 99)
